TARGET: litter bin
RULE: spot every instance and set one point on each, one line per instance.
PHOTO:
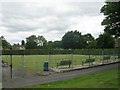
(46, 66)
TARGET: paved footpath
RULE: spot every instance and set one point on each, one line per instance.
(27, 81)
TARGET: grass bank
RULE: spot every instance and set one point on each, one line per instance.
(104, 79)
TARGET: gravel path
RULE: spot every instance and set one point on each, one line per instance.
(18, 82)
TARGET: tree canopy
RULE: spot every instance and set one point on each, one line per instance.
(5, 43)
(112, 20)
(73, 40)
(91, 43)
(22, 42)
(33, 42)
(105, 40)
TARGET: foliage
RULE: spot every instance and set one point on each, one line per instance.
(105, 40)
(54, 45)
(112, 20)
(22, 42)
(88, 37)
(41, 41)
(91, 43)
(5, 43)
(31, 42)
(73, 40)
(34, 42)
(60, 51)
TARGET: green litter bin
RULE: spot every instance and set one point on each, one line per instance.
(46, 66)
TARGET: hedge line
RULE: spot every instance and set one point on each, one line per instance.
(62, 51)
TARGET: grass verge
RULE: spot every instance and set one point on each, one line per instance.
(104, 79)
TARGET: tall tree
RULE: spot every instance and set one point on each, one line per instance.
(31, 42)
(5, 43)
(91, 43)
(57, 44)
(112, 20)
(50, 45)
(73, 40)
(88, 37)
(22, 42)
(105, 40)
(54, 45)
(41, 41)
(34, 42)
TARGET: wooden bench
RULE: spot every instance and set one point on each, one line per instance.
(105, 58)
(64, 62)
(90, 61)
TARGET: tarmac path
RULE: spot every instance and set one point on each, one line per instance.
(20, 82)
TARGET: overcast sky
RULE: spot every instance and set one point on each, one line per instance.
(19, 20)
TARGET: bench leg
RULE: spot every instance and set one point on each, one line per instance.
(89, 63)
(69, 65)
(82, 63)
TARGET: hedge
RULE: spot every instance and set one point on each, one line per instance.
(61, 51)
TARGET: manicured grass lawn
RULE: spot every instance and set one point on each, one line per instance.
(104, 79)
(36, 62)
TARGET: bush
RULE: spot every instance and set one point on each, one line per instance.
(61, 51)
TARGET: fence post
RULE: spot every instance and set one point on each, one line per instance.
(114, 55)
(22, 65)
(49, 59)
(11, 62)
(102, 56)
(36, 63)
(89, 57)
(72, 57)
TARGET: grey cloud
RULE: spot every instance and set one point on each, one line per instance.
(87, 8)
(28, 17)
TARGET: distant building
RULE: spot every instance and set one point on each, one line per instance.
(117, 42)
(18, 47)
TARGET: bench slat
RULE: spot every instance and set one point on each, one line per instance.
(90, 61)
(65, 62)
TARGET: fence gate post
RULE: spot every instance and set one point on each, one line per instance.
(11, 62)
(22, 66)
(89, 57)
(102, 56)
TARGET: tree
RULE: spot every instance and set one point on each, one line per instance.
(31, 42)
(73, 40)
(91, 43)
(88, 37)
(57, 44)
(50, 45)
(5, 43)
(34, 42)
(22, 42)
(54, 45)
(112, 20)
(105, 40)
(41, 41)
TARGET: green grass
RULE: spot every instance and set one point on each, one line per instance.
(104, 79)
(35, 62)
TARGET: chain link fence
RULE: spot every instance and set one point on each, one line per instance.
(31, 64)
